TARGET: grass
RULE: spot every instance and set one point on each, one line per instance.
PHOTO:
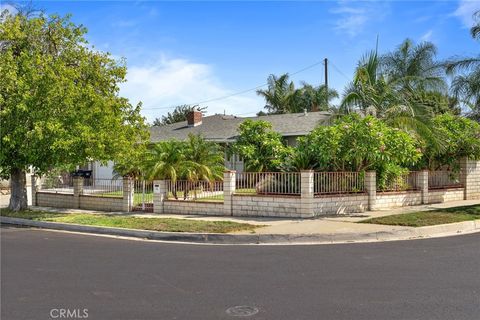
(246, 191)
(429, 218)
(138, 197)
(117, 221)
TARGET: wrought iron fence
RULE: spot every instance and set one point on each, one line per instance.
(57, 184)
(404, 182)
(338, 182)
(268, 183)
(103, 187)
(443, 179)
(195, 190)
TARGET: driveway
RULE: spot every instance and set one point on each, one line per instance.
(126, 279)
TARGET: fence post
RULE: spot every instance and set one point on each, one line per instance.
(470, 178)
(306, 194)
(127, 202)
(422, 181)
(159, 195)
(229, 178)
(371, 188)
(77, 191)
(34, 189)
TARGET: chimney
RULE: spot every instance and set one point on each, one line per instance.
(194, 118)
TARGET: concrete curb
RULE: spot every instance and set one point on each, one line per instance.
(219, 238)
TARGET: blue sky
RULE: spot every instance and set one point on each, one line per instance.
(189, 52)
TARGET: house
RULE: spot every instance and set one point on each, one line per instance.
(223, 129)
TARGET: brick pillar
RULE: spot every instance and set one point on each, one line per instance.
(159, 195)
(422, 183)
(470, 178)
(371, 188)
(306, 194)
(127, 203)
(35, 188)
(77, 191)
(229, 178)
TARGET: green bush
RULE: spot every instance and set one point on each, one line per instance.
(460, 138)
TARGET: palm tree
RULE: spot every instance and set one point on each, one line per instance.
(369, 92)
(475, 30)
(165, 160)
(281, 96)
(466, 84)
(193, 160)
(372, 93)
(413, 67)
(204, 161)
(315, 98)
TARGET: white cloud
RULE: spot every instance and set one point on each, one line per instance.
(171, 82)
(465, 11)
(354, 16)
(427, 36)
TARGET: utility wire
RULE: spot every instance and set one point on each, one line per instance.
(237, 93)
(339, 71)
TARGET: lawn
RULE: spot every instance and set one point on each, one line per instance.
(429, 218)
(116, 221)
(138, 197)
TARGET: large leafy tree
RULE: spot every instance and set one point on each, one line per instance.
(353, 143)
(59, 102)
(179, 114)
(260, 147)
(461, 138)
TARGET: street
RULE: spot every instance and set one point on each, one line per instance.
(127, 279)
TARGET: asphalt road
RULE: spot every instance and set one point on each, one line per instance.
(126, 279)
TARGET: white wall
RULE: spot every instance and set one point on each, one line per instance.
(102, 172)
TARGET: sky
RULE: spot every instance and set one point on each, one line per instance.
(217, 53)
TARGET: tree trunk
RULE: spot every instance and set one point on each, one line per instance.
(18, 194)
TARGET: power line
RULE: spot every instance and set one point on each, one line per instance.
(339, 71)
(239, 92)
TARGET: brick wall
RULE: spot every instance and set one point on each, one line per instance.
(57, 200)
(60, 200)
(340, 204)
(445, 195)
(101, 203)
(267, 206)
(193, 207)
(386, 200)
(470, 178)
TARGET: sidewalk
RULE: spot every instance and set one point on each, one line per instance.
(342, 224)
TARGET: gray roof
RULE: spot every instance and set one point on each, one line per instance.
(223, 128)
